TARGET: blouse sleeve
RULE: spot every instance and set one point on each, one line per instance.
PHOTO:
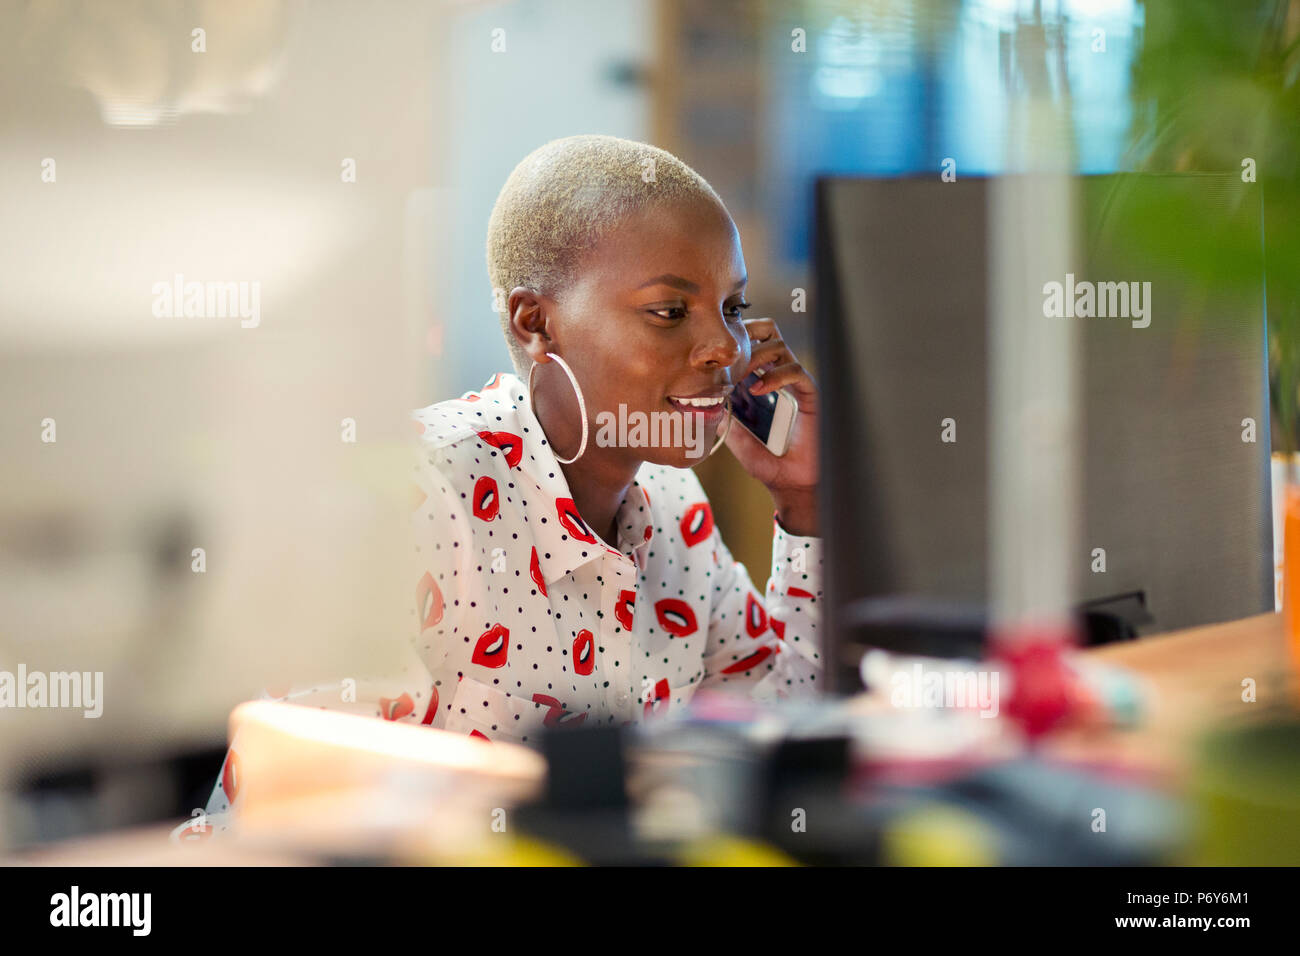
(767, 644)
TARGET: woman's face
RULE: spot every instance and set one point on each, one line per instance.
(652, 324)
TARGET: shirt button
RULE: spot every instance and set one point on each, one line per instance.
(621, 700)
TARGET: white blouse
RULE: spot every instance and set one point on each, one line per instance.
(526, 619)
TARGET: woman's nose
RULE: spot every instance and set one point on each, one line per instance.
(719, 347)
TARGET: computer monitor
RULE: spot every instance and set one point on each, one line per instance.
(1171, 491)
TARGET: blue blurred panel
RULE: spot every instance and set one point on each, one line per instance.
(889, 94)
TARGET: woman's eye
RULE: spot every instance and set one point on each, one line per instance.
(677, 312)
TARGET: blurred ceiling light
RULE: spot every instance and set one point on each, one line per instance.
(147, 63)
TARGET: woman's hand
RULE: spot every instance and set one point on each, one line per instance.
(792, 477)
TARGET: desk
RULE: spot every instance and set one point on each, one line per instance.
(1194, 679)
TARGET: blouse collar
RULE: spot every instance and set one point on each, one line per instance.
(564, 541)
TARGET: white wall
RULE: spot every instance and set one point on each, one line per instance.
(552, 81)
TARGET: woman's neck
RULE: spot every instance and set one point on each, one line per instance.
(598, 488)
(599, 479)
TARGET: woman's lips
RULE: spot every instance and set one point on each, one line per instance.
(706, 412)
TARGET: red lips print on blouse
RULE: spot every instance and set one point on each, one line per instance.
(676, 617)
(486, 500)
(428, 601)
(697, 524)
(431, 711)
(662, 697)
(623, 609)
(535, 572)
(572, 521)
(396, 708)
(511, 446)
(750, 662)
(755, 616)
(493, 647)
(584, 652)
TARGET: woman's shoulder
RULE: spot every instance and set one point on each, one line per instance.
(462, 439)
(448, 422)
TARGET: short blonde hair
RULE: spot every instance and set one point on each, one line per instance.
(560, 201)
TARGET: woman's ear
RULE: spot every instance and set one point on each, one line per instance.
(529, 321)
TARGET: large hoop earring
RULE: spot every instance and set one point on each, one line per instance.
(726, 430)
(582, 404)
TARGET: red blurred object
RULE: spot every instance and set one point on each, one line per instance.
(1042, 682)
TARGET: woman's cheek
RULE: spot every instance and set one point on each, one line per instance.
(641, 362)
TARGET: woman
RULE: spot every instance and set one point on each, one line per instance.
(566, 572)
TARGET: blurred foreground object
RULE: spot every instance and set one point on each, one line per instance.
(827, 781)
(344, 788)
(1247, 797)
(287, 752)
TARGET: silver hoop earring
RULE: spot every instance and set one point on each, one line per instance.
(582, 404)
(726, 430)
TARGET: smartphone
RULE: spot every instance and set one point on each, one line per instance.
(769, 418)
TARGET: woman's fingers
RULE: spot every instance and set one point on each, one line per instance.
(771, 353)
(761, 330)
(782, 369)
(766, 344)
(790, 375)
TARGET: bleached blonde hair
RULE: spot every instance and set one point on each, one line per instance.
(562, 199)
